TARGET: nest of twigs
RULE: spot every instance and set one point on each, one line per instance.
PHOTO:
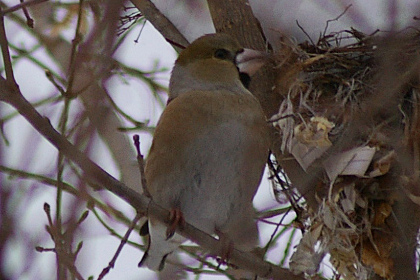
(352, 110)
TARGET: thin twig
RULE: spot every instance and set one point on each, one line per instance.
(20, 6)
(161, 23)
(122, 243)
(61, 271)
(272, 237)
(75, 42)
(290, 197)
(140, 161)
(62, 247)
(29, 20)
(51, 78)
(334, 19)
(306, 33)
(69, 189)
(10, 78)
(141, 30)
(111, 230)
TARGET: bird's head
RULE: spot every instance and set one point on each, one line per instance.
(212, 62)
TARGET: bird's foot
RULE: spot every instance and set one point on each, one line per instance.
(176, 218)
(227, 247)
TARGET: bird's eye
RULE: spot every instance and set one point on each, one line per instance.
(221, 54)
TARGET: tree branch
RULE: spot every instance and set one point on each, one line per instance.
(21, 5)
(11, 82)
(236, 18)
(161, 23)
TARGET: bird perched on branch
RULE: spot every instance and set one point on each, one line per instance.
(209, 148)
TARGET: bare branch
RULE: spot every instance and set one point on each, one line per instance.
(161, 23)
(140, 162)
(236, 18)
(76, 41)
(11, 82)
(21, 5)
(120, 247)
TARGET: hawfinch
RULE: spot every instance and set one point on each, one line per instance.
(209, 148)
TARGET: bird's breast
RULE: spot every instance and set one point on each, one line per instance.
(208, 153)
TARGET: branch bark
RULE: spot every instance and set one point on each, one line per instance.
(161, 23)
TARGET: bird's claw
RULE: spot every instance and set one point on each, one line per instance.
(176, 218)
(227, 246)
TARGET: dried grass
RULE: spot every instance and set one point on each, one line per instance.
(351, 106)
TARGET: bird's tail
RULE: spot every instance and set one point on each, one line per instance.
(159, 246)
(153, 262)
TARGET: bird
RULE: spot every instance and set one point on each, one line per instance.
(209, 148)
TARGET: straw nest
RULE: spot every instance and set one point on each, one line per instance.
(351, 109)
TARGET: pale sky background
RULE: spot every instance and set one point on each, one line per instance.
(99, 246)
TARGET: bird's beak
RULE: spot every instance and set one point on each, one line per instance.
(249, 61)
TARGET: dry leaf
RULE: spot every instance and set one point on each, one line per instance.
(382, 265)
(305, 259)
(306, 154)
(315, 132)
(310, 140)
(382, 211)
(382, 166)
(354, 162)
